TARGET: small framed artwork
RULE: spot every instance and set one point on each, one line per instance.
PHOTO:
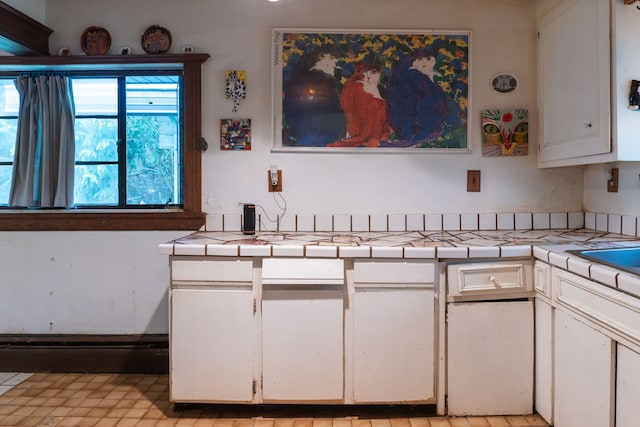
(235, 134)
(504, 83)
(505, 132)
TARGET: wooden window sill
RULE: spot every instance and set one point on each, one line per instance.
(101, 220)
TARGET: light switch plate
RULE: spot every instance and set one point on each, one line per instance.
(473, 181)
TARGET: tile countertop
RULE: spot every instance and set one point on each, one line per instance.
(547, 245)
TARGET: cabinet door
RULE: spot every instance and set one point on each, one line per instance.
(628, 388)
(583, 375)
(574, 61)
(490, 358)
(302, 344)
(393, 345)
(212, 345)
(544, 360)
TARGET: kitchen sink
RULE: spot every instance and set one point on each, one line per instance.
(627, 259)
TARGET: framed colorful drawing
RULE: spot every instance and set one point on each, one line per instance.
(505, 132)
(370, 90)
(235, 134)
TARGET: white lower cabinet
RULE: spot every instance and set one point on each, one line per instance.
(584, 374)
(302, 352)
(393, 345)
(212, 344)
(391, 333)
(302, 330)
(544, 360)
(595, 342)
(490, 358)
(627, 387)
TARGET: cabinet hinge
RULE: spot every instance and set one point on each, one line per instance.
(254, 386)
(255, 306)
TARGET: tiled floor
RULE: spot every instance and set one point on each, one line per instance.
(66, 400)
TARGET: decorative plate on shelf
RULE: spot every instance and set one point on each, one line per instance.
(156, 39)
(95, 41)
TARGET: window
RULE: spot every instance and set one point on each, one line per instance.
(8, 126)
(137, 128)
(128, 140)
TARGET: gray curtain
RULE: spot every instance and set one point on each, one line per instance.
(45, 146)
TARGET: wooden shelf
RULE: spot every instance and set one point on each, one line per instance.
(87, 62)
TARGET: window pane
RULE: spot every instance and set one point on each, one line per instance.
(7, 139)
(153, 140)
(96, 140)
(9, 98)
(152, 160)
(5, 183)
(95, 96)
(152, 94)
(96, 185)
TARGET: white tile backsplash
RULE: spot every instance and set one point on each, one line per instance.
(287, 222)
(214, 223)
(232, 222)
(576, 220)
(415, 222)
(397, 222)
(468, 221)
(629, 226)
(597, 221)
(360, 222)
(378, 222)
(487, 221)
(506, 221)
(342, 222)
(451, 221)
(602, 221)
(559, 220)
(541, 221)
(433, 222)
(324, 222)
(524, 221)
(614, 224)
(305, 223)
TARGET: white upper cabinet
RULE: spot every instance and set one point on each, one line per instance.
(573, 82)
(586, 64)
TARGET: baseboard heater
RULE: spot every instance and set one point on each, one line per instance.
(144, 354)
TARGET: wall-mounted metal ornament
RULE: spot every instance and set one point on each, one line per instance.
(236, 87)
(504, 83)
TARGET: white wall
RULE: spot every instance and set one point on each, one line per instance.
(83, 282)
(101, 292)
(625, 202)
(237, 36)
(33, 8)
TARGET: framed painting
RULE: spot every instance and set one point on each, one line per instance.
(371, 90)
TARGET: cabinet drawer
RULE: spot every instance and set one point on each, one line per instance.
(490, 279)
(212, 270)
(301, 271)
(399, 272)
(542, 278)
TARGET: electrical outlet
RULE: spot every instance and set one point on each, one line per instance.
(473, 181)
(278, 186)
(612, 184)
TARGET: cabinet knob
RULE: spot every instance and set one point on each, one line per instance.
(588, 125)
